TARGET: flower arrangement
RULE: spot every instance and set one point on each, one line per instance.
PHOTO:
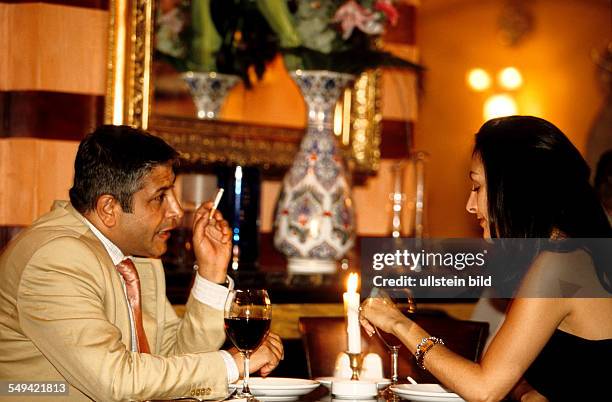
(225, 36)
(335, 35)
(233, 36)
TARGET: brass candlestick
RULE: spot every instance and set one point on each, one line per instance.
(355, 360)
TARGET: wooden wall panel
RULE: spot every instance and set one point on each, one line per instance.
(52, 115)
(7, 233)
(97, 4)
(53, 48)
(33, 173)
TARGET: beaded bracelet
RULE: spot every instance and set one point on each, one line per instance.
(425, 346)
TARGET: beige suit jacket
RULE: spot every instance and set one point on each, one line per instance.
(64, 316)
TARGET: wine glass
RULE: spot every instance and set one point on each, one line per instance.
(402, 298)
(247, 316)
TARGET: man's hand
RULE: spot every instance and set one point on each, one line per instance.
(264, 358)
(211, 243)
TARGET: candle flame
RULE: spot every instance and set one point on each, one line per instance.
(351, 283)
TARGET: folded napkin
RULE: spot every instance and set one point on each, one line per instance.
(371, 368)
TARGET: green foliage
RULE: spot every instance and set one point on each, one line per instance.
(233, 36)
(226, 36)
(320, 44)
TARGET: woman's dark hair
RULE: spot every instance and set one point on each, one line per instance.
(538, 184)
(114, 160)
(603, 179)
(537, 181)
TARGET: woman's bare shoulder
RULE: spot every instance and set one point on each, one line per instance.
(562, 275)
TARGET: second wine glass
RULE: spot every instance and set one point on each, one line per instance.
(247, 316)
(403, 300)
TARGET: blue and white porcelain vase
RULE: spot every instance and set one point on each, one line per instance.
(314, 218)
(208, 90)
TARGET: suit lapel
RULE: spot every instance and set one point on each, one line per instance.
(116, 304)
(151, 293)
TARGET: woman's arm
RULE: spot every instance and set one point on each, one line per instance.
(528, 326)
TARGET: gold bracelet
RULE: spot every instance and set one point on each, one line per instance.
(425, 346)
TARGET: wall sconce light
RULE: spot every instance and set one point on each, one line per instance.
(510, 78)
(478, 79)
(497, 104)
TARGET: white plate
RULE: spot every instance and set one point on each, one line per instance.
(273, 388)
(278, 398)
(326, 381)
(336, 398)
(425, 393)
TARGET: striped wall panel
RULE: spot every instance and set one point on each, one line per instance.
(52, 67)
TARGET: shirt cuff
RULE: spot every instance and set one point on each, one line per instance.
(230, 365)
(210, 293)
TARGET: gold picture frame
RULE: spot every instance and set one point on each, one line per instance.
(128, 101)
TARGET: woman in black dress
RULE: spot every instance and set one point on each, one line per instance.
(529, 181)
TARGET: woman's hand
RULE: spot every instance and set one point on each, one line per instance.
(211, 243)
(382, 313)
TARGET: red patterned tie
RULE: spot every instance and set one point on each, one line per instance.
(132, 284)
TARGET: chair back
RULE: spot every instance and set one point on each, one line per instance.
(325, 337)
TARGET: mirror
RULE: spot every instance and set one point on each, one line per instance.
(129, 100)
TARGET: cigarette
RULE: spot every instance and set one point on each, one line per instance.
(216, 203)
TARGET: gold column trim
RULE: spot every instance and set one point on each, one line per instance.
(129, 63)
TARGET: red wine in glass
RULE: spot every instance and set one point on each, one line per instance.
(247, 315)
(247, 333)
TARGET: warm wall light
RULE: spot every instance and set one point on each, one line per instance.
(478, 79)
(498, 106)
(510, 78)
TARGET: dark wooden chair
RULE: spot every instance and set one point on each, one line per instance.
(325, 337)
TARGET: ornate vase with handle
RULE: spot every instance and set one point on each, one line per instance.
(314, 218)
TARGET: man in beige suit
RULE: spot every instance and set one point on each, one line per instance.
(68, 314)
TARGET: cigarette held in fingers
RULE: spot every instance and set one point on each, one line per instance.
(216, 203)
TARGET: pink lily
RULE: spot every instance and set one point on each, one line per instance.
(351, 15)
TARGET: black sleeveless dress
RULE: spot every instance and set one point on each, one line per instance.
(571, 368)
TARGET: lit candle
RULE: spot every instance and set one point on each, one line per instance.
(351, 307)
